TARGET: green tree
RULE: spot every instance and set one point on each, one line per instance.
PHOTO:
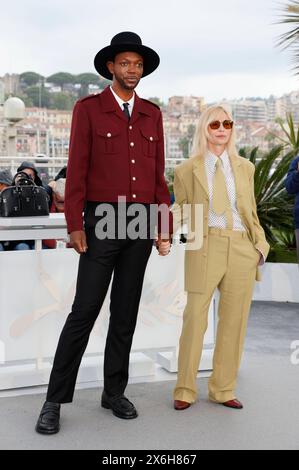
(27, 100)
(61, 79)
(104, 82)
(291, 134)
(86, 79)
(63, 101)
(30, 78)
(274, 204)
(39, 96)
(285, 237)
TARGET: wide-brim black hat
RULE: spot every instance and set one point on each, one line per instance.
(126, 42)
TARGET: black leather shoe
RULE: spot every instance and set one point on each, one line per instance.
(48, 421)
(120, 406)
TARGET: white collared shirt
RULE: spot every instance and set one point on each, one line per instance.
(121, 101)
(215, 220)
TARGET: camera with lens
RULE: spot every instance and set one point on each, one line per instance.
(22, 179)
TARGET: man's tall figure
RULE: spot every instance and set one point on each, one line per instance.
(116, 149)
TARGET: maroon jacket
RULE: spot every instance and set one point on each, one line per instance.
(110, 156)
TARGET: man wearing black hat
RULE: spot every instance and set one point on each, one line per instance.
(116, 149)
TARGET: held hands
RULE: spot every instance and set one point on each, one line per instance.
(78, 241)
(163, 246)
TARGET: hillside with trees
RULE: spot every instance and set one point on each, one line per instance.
(59, 90)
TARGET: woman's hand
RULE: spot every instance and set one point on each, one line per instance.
(163, 246)
(261, 260)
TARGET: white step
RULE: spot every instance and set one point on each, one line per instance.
(169, 361)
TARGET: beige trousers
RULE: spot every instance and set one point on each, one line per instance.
(232, 261)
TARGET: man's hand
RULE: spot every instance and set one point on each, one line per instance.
(163, 246)
(78, 241)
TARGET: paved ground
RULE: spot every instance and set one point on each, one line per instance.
(268, 386)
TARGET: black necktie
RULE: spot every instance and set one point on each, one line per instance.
(126, 110)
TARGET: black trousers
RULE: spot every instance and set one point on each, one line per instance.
(126, 259)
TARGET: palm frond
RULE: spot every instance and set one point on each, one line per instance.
(274, 204)
(290, 39)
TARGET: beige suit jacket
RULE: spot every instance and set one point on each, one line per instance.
(191, 187)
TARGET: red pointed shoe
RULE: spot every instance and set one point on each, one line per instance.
(233, 404)
(181, 405)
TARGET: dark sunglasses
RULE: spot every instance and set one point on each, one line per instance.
(227, 124)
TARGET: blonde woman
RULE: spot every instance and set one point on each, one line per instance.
(233, 246)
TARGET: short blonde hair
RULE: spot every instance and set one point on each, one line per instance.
(200, 140)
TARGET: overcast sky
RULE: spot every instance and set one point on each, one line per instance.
(212, 48)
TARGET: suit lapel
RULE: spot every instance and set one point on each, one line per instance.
(200, 173)
(236, 165)
(110, 105)
(139, 108)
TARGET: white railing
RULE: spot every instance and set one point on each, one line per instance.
(54, 164)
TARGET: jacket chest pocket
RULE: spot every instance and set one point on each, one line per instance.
(149, 143)
(108, 140)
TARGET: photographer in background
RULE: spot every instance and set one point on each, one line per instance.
(31, 170)
(5, 182)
